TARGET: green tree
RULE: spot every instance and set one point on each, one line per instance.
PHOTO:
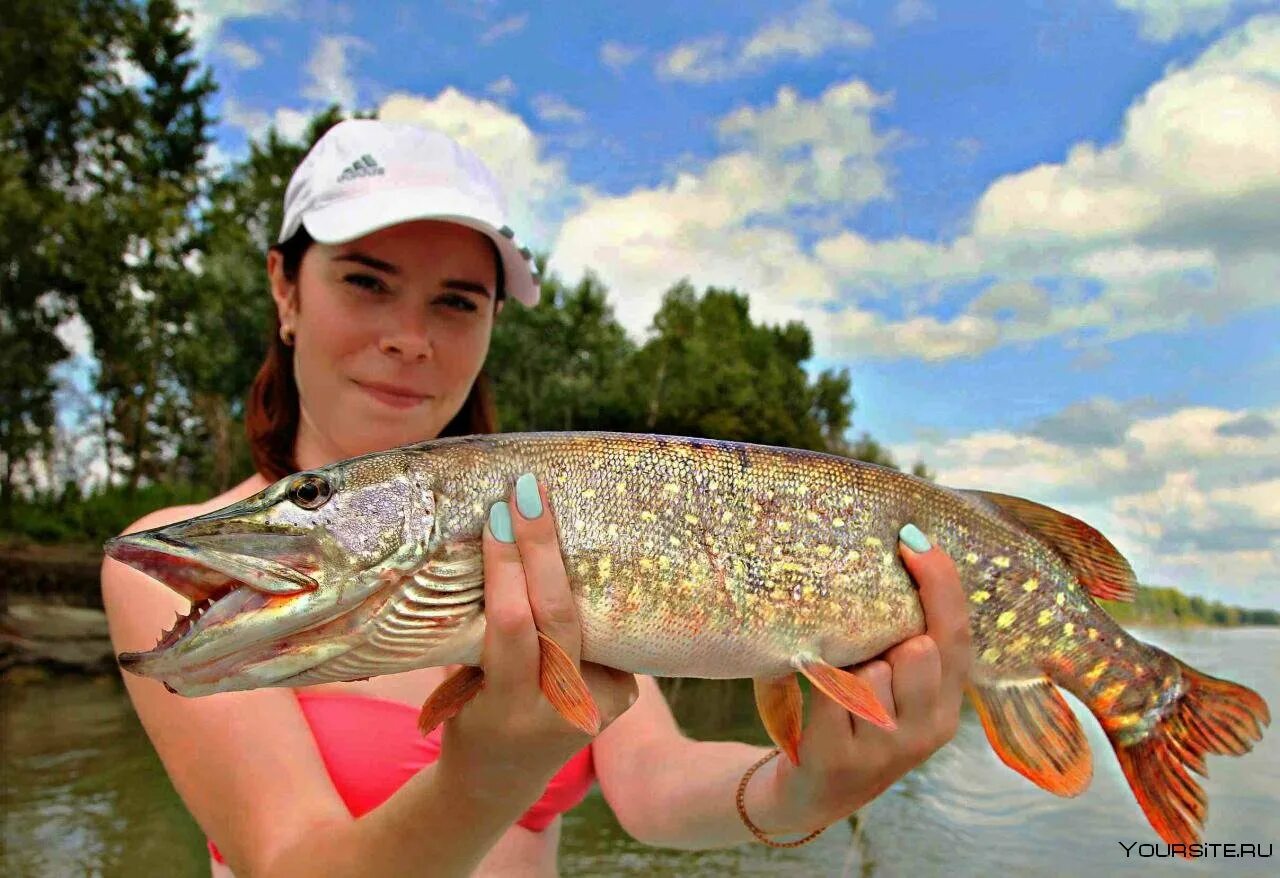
(148, 181)
(557, 366)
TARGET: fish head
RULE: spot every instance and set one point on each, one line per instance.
(282, 580)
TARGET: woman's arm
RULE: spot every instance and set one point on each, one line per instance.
(247, 767)
(668, 790)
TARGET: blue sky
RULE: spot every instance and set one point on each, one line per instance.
(1040, 236)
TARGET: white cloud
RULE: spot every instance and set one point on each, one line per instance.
(242, 55)
(551, 108)
(1190, 502)
(727, 223)
(1162, 20)
(502, 87)
(807, 32)
(329, 80)
(1174, 224)
(617, 56)
(504, 28)
(290, 123)
(907, 12)
(207, 16)
(537, 187)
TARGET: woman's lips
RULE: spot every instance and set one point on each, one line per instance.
(396, 397)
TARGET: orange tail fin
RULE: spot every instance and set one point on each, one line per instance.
(1210, 716)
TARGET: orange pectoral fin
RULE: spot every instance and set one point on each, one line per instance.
(564, 687)
(1033, 731)
(450, 697)
(781, 709)
(848, 690)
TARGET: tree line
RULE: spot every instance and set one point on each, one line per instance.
(1164, 605)
(111, 212)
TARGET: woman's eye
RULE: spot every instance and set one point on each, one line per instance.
(365, 282)
(462, 303)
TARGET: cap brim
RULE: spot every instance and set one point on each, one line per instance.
(361, 215)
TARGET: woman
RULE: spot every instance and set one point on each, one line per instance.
(393, 264)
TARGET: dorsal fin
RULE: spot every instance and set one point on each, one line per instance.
(1099, 566)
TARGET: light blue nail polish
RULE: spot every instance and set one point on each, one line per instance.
(500, 522)
(915, 540)
(528, 500)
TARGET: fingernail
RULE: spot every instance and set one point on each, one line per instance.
(915, 540)
(528, 501)
(500, 522)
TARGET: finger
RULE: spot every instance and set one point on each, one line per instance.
(946, 610)
(879, 676)
(916, 670)
(550, 598)
(614, 691)
(511, 653)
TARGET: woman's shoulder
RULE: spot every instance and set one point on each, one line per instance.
(171, 514)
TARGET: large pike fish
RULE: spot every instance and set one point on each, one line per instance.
(691, 558)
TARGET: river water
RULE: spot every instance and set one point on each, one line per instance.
(83, 794)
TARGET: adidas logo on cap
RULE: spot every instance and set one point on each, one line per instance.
(365, 166)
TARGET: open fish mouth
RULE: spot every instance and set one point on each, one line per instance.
(221, 585)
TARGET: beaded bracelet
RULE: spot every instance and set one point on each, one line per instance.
(755, 830)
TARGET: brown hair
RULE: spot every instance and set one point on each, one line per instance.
(272, 412)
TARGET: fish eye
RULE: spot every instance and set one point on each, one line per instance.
(310, 492)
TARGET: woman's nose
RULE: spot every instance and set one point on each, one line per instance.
(409, 339)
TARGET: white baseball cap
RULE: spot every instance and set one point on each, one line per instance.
(367, 174)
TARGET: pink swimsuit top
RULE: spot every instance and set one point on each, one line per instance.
(371, 746)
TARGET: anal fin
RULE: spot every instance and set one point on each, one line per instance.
(1033, 731)
(563, 686)
(450, 697)
(781, 709)
(848, 690)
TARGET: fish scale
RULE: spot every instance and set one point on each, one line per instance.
(697, 558)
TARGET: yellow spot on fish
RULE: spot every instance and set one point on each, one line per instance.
(784, 526)
(671, 488)
(1069, 629)
(1060, 599)
(646, 563)
(971, 558)
(728, 516)
(579, 524)
(674, 541)
(692, 519)
(812, 516)
(810, 590)
(620, 488)
(823, 550)
(646, 515)
(605, 567)
(664, 563)
(1031, 584)
(1093, 633)
(837, 522)
(1019, 644)
(1119, 643)
(979, 596)
(1006, 618)
(873, 542)
(1112, 692)
(990, 654)
(589, 493)
(749, 548)
(802, 489)
(1045, 617)
(845, 499)
(1000, 561)
(612, 530)
(1095, 672)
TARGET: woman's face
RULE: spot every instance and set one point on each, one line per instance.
(390, 333)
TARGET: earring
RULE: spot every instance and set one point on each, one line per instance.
(286, 335)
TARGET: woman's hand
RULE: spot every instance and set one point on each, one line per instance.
(844, 761)
(509, 735)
